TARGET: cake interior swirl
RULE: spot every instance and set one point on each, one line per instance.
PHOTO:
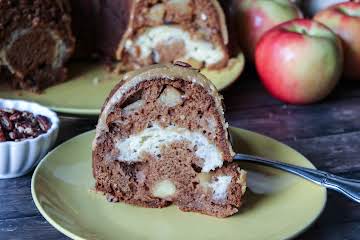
(161, 139)
(164, 31)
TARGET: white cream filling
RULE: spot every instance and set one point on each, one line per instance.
(151, 139)
(219, 187)
(199, 50)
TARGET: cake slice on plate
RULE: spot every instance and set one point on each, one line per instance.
(162, 138)
(164, 31)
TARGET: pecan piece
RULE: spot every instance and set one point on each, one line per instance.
(43, 123)
(182, 64)
(15, 116)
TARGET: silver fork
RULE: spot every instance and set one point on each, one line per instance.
(346, 186)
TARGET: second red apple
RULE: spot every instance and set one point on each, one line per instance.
(299, 61)
(344, 20)
(255, 17)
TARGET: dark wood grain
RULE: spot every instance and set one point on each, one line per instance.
(328, 133)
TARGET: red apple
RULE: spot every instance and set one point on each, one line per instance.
(255, 17)
(344, 20)
(299, 61)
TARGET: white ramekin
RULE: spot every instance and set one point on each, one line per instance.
(19, 158)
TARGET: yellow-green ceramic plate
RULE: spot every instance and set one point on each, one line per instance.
(277, 205)
(89, 85)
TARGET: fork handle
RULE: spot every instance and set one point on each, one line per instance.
(348, 187)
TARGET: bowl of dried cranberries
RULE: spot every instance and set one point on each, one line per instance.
(27, 132)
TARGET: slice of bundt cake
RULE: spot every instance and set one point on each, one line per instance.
(161, 138)
(163, 31)
(35, 42)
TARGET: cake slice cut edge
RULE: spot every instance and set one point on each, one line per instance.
(162, 138)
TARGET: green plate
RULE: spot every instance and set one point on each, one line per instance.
(277, 205)
(89, 85)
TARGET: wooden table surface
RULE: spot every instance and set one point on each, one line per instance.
(327, 133)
